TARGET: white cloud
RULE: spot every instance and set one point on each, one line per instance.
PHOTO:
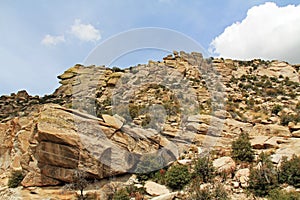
(50, 40)
(268, 32)
(85, 32)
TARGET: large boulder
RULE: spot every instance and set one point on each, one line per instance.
(63, 141)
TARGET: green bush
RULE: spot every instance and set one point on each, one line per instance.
(242, 149)
(263, 179)
(218, 192)
(121, 194)
(15, 179)
(289, 171)
(117, 69)
(204, 169)
(277, 194)
(177, 176)
(201, 194)
(276, 109)
(286, 118)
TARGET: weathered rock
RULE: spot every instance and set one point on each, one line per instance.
(185, 161)
(155, 189)
(270, 130)
(258, 142)
(224, 164)
(168, 196)
(62, 141)
(235, 184)
(288, 149)
(113, 121)
(296, 134)
(278, 68)
(198, 128)
(242, 175)
(294, 127)
(37, 179)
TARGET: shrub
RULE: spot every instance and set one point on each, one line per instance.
(276, 109)
(201, 194)
(298, 106)
(220, 193)
(121, 194)
(198, 193)
(117, 69)
(263, 178)
(286, 118)
(177, 176)
(204, 169)
(289, 171)
(241, 148)
(277, 194)
(15, 179)
(137, 193)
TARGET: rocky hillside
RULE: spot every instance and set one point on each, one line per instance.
(107, 123)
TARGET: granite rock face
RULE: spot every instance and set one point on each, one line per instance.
(60, 141)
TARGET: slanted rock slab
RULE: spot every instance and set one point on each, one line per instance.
(155, 189)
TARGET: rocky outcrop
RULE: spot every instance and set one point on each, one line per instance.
(62, 141)
(277, 68)
(108, 122)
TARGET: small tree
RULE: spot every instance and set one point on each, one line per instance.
(289, 171)
(79, 183)
(177, 176)
(242, 149)
(15, 179)
(276, 109)
(263, 178)
(204, 169)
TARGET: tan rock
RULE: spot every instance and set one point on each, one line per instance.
(224, 164)
(278, 68)
(113, 121)
(273, 142)
(294, 127)
(292, 146)
(112, 81)
(242, 175)
(185, 161)
(198, 128)
(258, 142)
(168, 196)
(155, 189)
(296, 134)
(23, 137)
(36, 179)
(271, 130)
(235, 184)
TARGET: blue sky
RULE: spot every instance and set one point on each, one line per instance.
(39, 39)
